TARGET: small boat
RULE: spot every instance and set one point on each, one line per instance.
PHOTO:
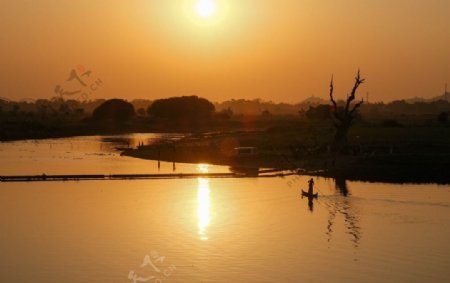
(306, 194)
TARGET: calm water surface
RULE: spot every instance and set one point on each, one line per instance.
(208, 230)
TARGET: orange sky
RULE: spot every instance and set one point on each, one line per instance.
(279, 50)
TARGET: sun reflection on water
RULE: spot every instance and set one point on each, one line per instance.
(204, 203)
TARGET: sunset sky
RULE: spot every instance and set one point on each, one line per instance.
(279, 50)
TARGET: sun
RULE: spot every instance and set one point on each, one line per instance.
(207, 13)
(206, 8)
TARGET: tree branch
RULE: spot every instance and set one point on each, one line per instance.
(357, 105)
(331, 94)
(358, 82)
(335, 108)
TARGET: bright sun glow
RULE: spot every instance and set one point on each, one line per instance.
(204, 203)
(206, 8)
(203, 208)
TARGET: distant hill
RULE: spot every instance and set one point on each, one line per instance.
(313, 100)
(445, 97)
(255, 107)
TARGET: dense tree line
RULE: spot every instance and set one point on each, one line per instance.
(191, 113)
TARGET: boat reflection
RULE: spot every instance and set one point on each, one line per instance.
(311, 204)
(203, 203)
(342, 205)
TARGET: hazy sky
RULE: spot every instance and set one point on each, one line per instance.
(279, 50)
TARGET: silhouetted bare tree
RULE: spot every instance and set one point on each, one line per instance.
(343, 117)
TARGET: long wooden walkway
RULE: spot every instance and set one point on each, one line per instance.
(58, 178)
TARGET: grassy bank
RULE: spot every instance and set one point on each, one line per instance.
(413, 154)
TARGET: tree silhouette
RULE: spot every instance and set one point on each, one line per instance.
(343, 117)
(182, 109)
(114, 110)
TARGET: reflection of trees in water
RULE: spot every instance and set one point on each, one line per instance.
(117, 142)
(341, 185)
(343, 206)
(132, 141)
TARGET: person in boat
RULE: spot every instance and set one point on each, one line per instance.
(311, 186)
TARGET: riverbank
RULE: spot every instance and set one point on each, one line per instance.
(373, 162)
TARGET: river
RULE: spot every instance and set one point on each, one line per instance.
(208, 230)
